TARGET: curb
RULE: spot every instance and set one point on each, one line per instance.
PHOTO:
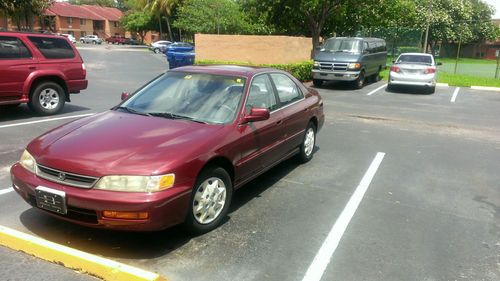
(442, 85)
(71, 258)
(494, 89)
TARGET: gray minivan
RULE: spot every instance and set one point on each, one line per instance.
(349, 59)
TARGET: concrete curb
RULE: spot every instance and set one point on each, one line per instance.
(71, 258)
(442, 85)
(494, 89)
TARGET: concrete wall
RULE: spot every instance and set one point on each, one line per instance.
(254, 49)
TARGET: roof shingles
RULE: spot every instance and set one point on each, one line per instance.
(84, 11)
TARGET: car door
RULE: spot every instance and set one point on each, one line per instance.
(294, 113)
(259, 141)
(16, 63)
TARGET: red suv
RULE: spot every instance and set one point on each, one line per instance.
(39, 69)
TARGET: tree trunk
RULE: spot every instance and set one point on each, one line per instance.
(159, 22)
(170, 37)
(315, 41)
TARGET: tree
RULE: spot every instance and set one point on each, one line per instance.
(162, 8)
(24, 11)
(138, 21)
(212, 16)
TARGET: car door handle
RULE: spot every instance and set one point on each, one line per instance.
(279, 122)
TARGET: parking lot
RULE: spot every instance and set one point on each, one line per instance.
(423, 168)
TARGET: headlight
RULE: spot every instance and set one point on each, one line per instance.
(316, 64)
(136, 183)
(28, 162)
(354, 66)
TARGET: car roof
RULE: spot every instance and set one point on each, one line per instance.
(416, 54)
(17, 33)
(230, 70)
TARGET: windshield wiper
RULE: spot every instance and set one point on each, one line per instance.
(133, 111)
(170, 115)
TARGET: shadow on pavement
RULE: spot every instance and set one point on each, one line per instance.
(22, 112)
(408, 90)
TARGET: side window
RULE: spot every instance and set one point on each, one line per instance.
(261, 94)
(366, 47)
(52, 48)
(287, 89)
(13, 48)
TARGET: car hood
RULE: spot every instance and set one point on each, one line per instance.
(327, 56)
(120, 143)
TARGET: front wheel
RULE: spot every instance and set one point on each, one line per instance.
(307, 146)
(156, 51)
(210, 200)
(360, 82)
(94, 42)
(317, 83)
(47, 99)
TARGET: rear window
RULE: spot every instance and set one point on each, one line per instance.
(53, 48)
(414, 59)
(13, 48)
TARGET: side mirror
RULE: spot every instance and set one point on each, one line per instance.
(257, 114)
(439, 63)
(125, 95)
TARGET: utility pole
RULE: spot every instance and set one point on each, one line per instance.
(429, 13)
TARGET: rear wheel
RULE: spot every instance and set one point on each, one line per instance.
(210, 200)
(47, 99)
(360, 82)
(94, 42)
(432, 90)
(317, 82)
(307, 146)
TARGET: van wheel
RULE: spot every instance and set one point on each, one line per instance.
(47, 99)
(360, 82)
(376, 77)
(210, 200)
(317, 83)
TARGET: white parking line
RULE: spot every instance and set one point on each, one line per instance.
(44, 120)
(374, 91)
(325, 253)
(6, 190)
(454, 97)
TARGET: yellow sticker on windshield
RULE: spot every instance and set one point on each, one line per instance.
(188, 77)
(239, 81)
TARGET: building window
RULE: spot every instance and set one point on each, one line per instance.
(82, 22)
(70, 20)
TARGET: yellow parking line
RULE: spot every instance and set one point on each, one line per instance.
(72, 258)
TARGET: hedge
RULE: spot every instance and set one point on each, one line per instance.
(301, 70)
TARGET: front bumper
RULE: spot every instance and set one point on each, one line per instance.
(335, 75)
(86, 206)
(423, 80)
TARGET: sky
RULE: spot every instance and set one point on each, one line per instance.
(496, 5)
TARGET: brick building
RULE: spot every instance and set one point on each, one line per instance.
(78, 20)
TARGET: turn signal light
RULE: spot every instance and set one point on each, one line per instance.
(126, 215)
(395, 69)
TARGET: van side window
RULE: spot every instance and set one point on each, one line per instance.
(13, 48)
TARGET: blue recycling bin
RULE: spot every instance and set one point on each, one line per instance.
(178, 59)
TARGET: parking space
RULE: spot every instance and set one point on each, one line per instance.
(430, 212)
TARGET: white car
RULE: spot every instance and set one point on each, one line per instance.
(70, 37)
(414, 69)
(160, 46)
(94, 39)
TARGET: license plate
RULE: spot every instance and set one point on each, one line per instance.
(51, 199)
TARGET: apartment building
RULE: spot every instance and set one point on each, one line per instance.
(78, 20)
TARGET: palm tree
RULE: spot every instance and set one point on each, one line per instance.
(162, 7)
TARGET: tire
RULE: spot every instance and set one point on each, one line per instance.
(390, 88)
(94, 42)
(200, 221)
(156, 50)
(48, 98)
(317, 83)
(308, 144)
(360, 82)
(81, 41)
(432, 90)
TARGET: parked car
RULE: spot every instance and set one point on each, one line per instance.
(180, 54)
(94, 39)
(179, 47)
(414, 69)
(70, 37)
(174, 151)
(349, 59)
(131, 41)
(40, 70)
(116, 40)
(159, 46)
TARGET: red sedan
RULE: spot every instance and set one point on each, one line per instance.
(174, 151)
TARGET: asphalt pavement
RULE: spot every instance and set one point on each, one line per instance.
(430, 209)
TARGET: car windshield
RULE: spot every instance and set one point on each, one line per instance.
(197, 97)
(343, 45)
(414, 59)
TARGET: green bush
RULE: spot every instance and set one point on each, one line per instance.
(301, 70)
(409, 49)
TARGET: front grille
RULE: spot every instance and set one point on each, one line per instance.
(333, 66)
(73, 213)
(66, 178)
